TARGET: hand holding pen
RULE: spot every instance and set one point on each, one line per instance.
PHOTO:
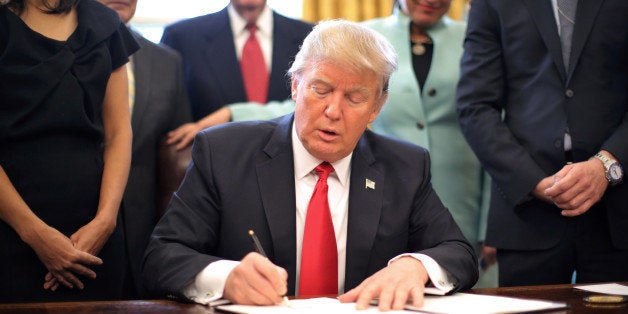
(256, 281)
(259, 249)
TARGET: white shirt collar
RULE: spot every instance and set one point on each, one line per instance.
(304, 162)
(264, 21)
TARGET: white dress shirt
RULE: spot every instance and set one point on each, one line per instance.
(264, 33)
(209, 284)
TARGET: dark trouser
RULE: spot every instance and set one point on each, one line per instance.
(585, 248)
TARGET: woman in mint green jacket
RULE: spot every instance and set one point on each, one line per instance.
(420, 109)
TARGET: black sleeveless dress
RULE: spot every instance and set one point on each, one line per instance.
(51, 142)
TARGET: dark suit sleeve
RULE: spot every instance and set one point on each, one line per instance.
(168, 38)
(480, 100)
(175, 254)
(434, 232)
(179, 98)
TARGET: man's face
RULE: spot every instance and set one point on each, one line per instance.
(334, 107)
(125, 8)
(425, 13)
(249, 10)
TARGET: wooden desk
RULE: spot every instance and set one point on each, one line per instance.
(104, 307)
(562, 293)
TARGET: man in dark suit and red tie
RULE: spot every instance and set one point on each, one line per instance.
(220, 51)
(388, 234)
(543, 102)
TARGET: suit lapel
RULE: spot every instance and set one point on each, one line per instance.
(275, 173)
(543, 15)
(585, 17)
(220, 57)
(365, 207)
(282, 38)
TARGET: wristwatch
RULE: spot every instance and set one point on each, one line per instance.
(614, 171)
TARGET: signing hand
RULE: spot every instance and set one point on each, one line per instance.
(403, 279)
(256, 280)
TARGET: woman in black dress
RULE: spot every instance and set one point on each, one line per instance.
(65, 147)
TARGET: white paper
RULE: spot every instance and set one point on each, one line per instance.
(483, 304)
(305, 306)
(607, 288)
(457, 303)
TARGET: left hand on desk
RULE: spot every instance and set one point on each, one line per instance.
(577, 187)
(403, 279)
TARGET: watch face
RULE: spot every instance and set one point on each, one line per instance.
(615, 172)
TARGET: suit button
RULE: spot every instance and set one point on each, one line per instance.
(431, 92)
(558, 143)
(569, 93)
(420, 125)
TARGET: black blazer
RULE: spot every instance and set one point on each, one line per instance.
(242, 177)
(211, 67)
(513, 63)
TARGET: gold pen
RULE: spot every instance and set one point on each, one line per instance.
(259, 249)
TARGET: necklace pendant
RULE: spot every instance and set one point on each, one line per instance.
(418, 49)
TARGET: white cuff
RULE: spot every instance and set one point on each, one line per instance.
(440, 279)
(209, 283)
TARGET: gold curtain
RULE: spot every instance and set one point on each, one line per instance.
(360, 10)
(458, 9)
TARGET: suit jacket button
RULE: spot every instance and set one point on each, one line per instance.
(431, 92)
(569, 93)
(420, 125)
(558, 143)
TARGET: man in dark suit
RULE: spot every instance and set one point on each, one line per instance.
(211, 48)
(392, 233)
(159, 104)
(543, 101)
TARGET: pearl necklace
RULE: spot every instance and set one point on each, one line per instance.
(418, 46)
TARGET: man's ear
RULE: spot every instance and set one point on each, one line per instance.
(294, 87)
(378, 106)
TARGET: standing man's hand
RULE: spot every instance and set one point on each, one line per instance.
(403, 279)
(578, 186)
(256, 280)
(541, 187)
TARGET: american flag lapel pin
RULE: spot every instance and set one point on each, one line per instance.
(369, 184)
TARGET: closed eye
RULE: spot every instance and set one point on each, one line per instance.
(321, 89)
(357, 98)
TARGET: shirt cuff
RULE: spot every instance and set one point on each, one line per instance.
(441, 280)
(209, 283)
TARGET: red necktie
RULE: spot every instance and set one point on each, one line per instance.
(319, 255)
(253, 66)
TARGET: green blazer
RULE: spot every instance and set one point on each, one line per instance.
(428, 118)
